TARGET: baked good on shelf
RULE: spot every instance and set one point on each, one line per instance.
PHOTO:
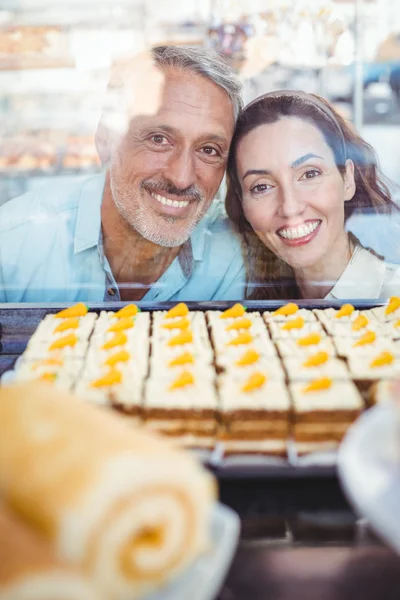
(288, 312)
(254, 414)
(389, 312)
(369, 343)
(305, 346)
(314, 366)
(323, 410)
(124, 505)
(185, 402)
(295, 328)
(29, 569)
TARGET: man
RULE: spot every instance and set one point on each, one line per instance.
(147, 228)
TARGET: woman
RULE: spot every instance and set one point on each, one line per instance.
(296, 172)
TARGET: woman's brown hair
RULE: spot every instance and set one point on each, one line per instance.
(269, 277)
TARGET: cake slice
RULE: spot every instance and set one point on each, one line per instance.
(254, 414)
(323, 410)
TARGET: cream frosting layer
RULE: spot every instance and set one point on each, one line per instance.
(198, 396)
(291, 347)
(345, 347)
(333, 368)
(261, 343)
(45, 331)
(270, 366)
(342, 395)
(380, 313)
(327, 316)
(40, 350)
(360, 368)
(278, 332)
(305, 313)
(271, 396)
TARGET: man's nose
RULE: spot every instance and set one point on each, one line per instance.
(180, 170)
(291, 202)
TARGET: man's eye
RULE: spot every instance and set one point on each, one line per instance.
(210, 151)
(160, 140)
(310, 174)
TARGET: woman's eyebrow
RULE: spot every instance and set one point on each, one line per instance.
(256, 172)
(303, 159)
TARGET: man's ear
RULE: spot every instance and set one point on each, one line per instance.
(349, 181)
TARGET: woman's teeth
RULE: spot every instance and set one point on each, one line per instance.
(168, 202)
(294, 233)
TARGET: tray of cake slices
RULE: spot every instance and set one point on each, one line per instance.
(274, 388)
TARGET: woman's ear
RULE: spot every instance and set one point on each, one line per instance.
(349, 181)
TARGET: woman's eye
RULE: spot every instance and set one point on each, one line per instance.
(260, 188)
(160, 140)
(310, 174)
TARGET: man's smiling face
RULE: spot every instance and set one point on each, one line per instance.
(168, 166)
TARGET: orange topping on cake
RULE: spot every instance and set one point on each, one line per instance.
(384, 358)
(122, 324)
(324, 383)
(62, 342)
(78, 310)
(242, 338)
(183, 380)
(119, 339)
(297, 323)
(248, 358)
(130, 310)
(360, 323)
(394, 304)
(320, 358)
(180, 310)
(71, 323)
(288, 309)
(254, 382)
(344, 311)
(397, 324)
(186, 337)
(48, 377)
(311, 339)
(182, 359)
(114, 359)
(239, 324)
(369, 337)
(181, 324)
(237, 310)
(47, 361)
(113, 377)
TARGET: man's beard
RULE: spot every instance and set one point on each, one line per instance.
(143, 220)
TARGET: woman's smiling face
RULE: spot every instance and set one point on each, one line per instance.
(293, 193)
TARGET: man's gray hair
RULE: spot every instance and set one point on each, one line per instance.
(204, 62)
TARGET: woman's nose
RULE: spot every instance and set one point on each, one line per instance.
(291, 202)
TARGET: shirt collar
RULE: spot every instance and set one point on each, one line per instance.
(363, 277)
(88, 221)
(201, 234)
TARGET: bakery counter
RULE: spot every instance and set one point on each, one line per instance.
(272, 571)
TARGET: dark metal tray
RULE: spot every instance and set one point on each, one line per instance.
(267, 488)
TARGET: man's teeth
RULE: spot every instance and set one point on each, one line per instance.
(168, 202)
(294, 233)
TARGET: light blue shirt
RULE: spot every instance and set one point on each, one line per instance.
(51, 251)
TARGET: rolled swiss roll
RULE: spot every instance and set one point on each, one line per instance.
(29, 569)
(126, 506)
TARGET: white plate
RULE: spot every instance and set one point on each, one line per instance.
(369, 468)
(203, 580)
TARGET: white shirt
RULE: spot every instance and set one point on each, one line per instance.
(366, 277)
